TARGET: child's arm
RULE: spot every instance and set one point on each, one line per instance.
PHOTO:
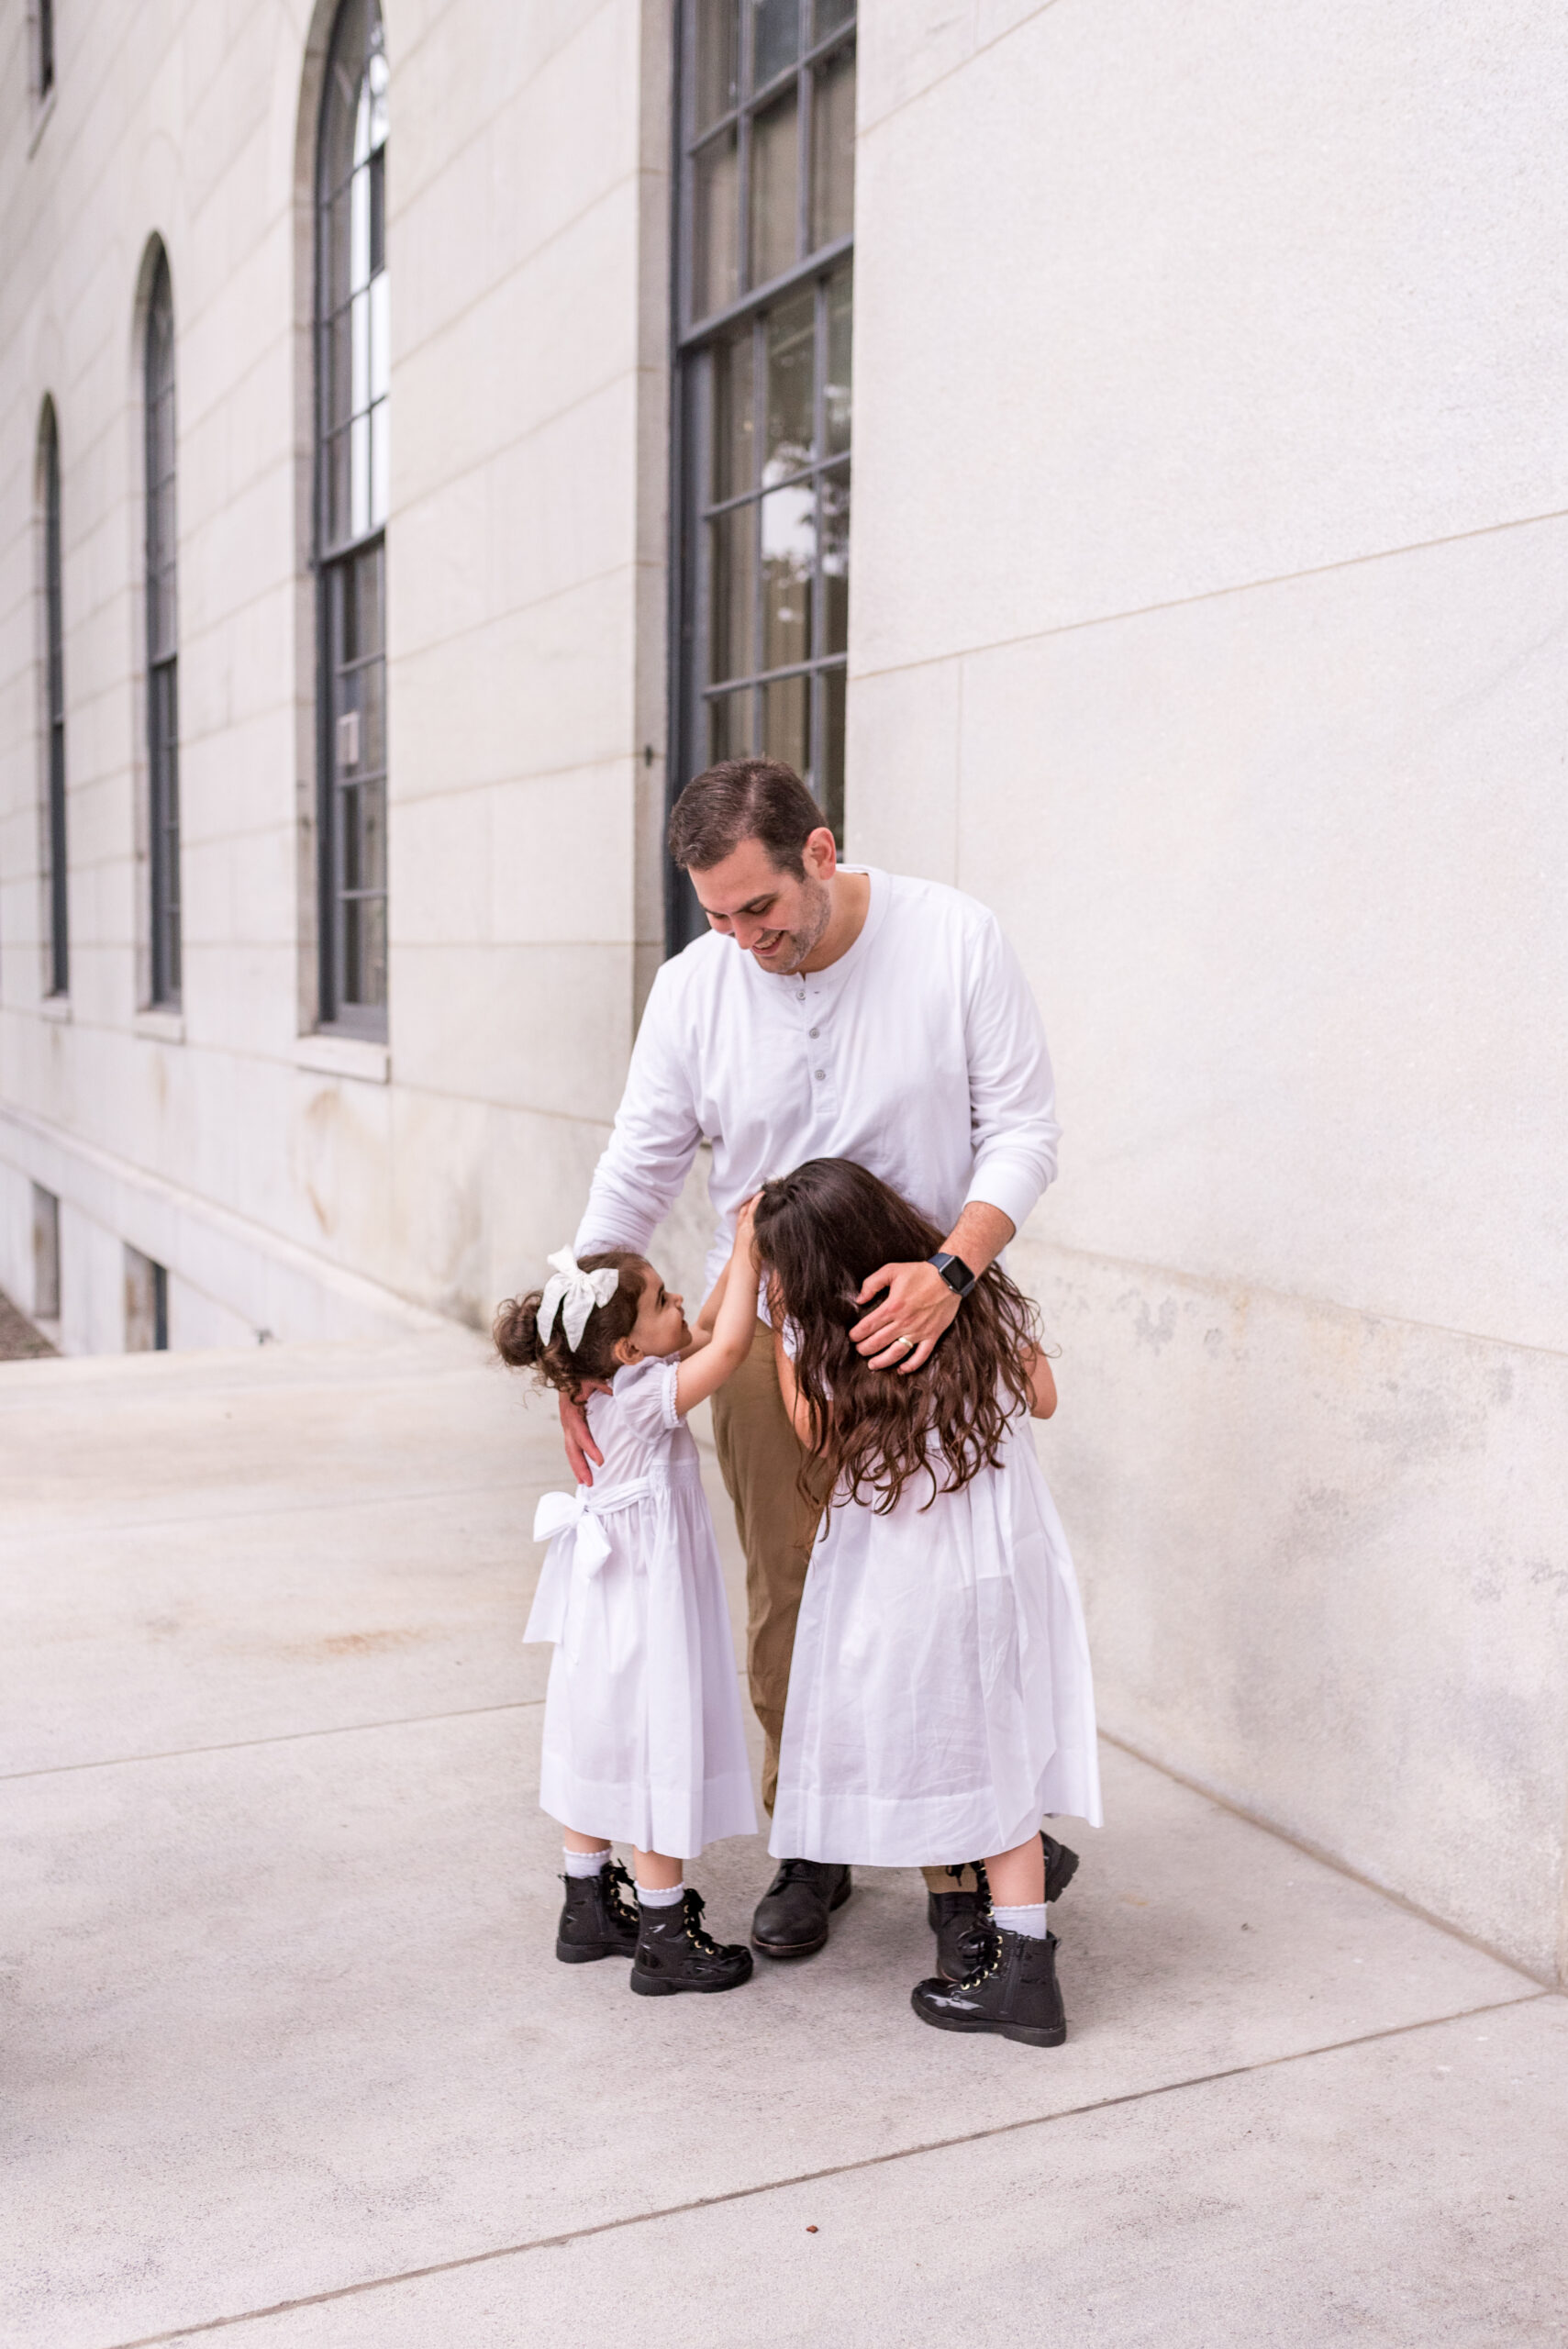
(1042, 1386)
(735, 1321)
(702, 1328)
(789, 1387)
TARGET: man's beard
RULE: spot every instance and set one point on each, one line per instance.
(804, 941)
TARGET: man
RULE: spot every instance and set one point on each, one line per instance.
(833, 1012)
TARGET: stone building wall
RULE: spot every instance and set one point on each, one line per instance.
(1209, 624)
(306, 1185)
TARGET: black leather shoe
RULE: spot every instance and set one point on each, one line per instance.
(1060, 1866)
(1012, 1993)
(595, 1921)
(792, 1915)
(674, 1954)
(959, 1921)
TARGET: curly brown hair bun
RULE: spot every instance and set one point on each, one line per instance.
(822, 1231)
(515, 1328)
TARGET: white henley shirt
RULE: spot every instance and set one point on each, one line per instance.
(920, 1053)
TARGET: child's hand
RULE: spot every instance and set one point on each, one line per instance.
(744, 1245)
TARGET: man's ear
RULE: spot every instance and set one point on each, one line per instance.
(821, 853)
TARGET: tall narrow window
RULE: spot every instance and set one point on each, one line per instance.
(163, 692)
(764, 302)
(56, 971)
(352, 471)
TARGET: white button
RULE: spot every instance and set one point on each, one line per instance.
(814, 1031)
(820, 1074)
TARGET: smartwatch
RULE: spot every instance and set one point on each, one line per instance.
(955, 1272)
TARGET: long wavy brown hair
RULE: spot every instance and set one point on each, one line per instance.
(820, 1233)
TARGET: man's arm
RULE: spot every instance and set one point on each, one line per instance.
(1012, 1098)
(655, 1139)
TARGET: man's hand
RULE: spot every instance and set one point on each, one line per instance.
(580, 1445)
(918, 1305)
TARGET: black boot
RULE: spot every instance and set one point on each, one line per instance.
(595, 1921)
(792, 1915)
(674, 1954)
(961, 1919)
(1012, 1992)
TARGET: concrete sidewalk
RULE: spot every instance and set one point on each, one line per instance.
(287, 2058)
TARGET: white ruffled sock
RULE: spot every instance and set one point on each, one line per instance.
(661, 1897)
(586, 1862)
(1029, 1920)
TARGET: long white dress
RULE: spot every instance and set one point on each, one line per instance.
(940, 1701)
(643, 1742)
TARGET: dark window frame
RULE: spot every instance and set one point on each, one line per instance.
(164, 961)
(57, 880)
(348, 554)
(827, 34)
(43, 35)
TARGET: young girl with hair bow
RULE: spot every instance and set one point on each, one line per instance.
(643, 1743)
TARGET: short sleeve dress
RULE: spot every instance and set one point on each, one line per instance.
(643, 1738)
(940, 1701)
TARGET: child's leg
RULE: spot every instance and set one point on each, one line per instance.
(1017, 1887)
(655, 1873)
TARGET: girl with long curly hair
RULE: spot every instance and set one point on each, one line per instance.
(939, 1695)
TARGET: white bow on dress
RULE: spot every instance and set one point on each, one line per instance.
(574, 1293)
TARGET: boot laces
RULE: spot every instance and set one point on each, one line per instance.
(697, 1932)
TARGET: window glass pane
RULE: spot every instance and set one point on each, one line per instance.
(717, 46)
(828, 15)
(786, 722)
(380, 365)
(775, 184)
(381, 463)
(833, 149)
(791, 345)
(360, 475)
(733, 433)
(715, 258)
(830, 776)
(836, 560)
(732, 590)
(789, 550)
(836, 399)
(729, 727)
(775, 37)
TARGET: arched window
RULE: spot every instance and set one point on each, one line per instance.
(58, 951)
(765, 214)
(162, 691)
(352, 468)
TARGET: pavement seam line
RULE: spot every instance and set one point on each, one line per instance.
(223, 1517)
(280, 1737)
(816, 2176)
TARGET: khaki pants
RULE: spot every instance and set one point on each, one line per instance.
(760, 1460)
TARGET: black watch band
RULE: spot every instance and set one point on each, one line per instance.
(955, 1272)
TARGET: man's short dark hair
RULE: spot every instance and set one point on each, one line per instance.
(744, 799)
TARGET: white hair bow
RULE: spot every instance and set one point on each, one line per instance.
(575, 1294)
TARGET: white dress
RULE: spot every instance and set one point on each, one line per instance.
(941, 1702)
(643, 1742)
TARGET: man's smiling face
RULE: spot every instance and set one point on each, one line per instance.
(777, 918)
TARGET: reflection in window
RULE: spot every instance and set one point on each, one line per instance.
(57, 966)
(766, 213)
(163, 679)
(352, 473)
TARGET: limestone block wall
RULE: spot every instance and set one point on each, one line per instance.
(1209, 622)
(293, 1182)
